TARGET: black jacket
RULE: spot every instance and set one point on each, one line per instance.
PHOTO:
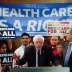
(30, 57)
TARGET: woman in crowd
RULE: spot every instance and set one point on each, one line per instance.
(56, 51)
(59, 56)
(3, 46)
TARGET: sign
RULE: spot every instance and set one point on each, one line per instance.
(7, 33)
(6, 58)
(33, 18)
(58, 28)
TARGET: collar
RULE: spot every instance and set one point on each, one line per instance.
(25, 46)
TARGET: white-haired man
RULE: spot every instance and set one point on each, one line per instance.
(37, 55)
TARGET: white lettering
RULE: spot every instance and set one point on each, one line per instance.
(31, 25)
(17, 25)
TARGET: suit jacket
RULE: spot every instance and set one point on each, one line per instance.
(64, 54)
(30, 57)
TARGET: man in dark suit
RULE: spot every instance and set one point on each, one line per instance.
(19, 52)
(37, 55)
(68, 49)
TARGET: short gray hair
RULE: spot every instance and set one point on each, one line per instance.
(38, 37)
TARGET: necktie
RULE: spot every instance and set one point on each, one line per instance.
(39, 51)
(67, 54)
(36, 57)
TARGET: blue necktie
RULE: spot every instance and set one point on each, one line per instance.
(68, 54)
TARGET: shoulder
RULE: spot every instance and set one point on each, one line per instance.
(47, 48)
(66, 42)
(19, 49)
(30, 47)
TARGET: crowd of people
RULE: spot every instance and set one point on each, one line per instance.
(34, 53)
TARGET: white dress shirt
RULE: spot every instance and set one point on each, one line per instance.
(20, 52)
(37, 50)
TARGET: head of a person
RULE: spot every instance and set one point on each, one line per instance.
(38, 41)
(3, 47)
(54, 40)
(69, 35)
(25, 39)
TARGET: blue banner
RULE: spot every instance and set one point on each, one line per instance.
(33, 18)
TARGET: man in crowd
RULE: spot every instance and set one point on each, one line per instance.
(19, 52)
(68, 49)
(37, 55)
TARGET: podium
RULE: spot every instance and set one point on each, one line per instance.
(41, 69)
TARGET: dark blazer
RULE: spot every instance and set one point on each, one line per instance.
(30, 57)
